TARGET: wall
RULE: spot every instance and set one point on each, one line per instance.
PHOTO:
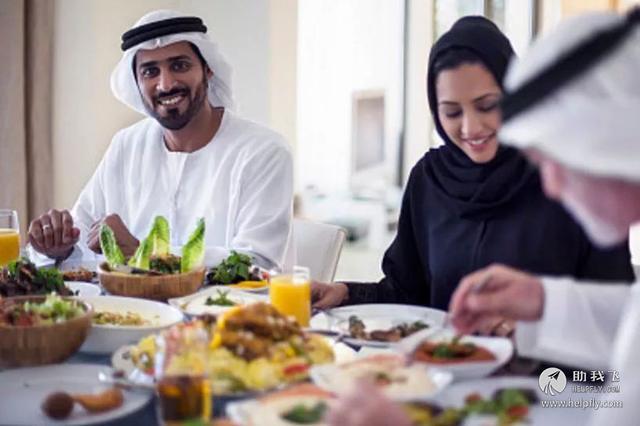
(344, 46)
(418, 121)
(86, 48)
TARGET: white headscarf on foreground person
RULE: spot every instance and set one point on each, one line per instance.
(590, 123)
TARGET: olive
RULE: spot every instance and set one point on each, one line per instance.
(58, 405)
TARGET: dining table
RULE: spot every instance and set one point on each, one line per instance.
(517, 369)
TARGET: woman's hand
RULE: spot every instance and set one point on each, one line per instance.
(328, 295)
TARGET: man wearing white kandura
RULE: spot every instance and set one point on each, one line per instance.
(582, 83)
(191, 157)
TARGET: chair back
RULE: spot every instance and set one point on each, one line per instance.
(318, 247)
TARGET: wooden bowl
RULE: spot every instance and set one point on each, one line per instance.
(154, 287)
(42, 344)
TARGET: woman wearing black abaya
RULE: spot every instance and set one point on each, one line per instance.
(473, 202)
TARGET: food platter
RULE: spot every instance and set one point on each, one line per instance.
(467, 365)
(35, 383)
(106, 338)
(389, 372)
(376, 317)
(200, 303)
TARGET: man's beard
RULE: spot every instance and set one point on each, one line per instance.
(174, 120)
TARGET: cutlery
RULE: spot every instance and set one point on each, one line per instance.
(476, 288)
(122, 382)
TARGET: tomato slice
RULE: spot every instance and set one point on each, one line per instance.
(518, 411)
(296, 369)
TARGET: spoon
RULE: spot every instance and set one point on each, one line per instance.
(122, 382)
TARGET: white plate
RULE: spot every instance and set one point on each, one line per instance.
(194, 304)
(456, 393)
(377, 316)
(260, 290)
(89, 264)
(415, 382)
(104, 339)
(84, 289)
(22, 391)
(121, 360)
(257, 412)
(500, 347)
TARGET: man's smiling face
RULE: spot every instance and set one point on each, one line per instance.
(173, 83)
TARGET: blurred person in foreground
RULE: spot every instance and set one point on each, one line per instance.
(191, 157)
(581, 82)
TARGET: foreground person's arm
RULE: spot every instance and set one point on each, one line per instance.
(579, 323)
(561, 320)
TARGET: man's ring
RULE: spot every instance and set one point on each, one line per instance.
(46, 226)
(505, 327)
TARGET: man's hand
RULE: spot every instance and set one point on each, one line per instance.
(505, 293)
(127, 242)
(366, 406)
(53, 234)
(326, 296)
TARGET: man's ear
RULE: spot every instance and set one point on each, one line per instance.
(209, 73)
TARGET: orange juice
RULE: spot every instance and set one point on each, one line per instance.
(291, 296)
(9, 245)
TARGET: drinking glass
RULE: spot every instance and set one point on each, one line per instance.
(183, 387)
(290, 293)
(9, 236)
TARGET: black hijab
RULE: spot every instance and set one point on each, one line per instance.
(474, 190)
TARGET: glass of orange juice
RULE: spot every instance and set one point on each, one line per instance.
(9, 236)
(290, 293)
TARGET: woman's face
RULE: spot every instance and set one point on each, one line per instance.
(468, 108)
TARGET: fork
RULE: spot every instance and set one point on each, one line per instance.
(475, 289)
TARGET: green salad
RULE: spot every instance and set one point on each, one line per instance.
(152, 255)
(52, 310)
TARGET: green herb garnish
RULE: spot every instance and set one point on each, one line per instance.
(303, 415)
(233, 269)
(221, 300)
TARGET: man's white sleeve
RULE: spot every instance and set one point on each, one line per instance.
(265, 203)
(578, 325)
(91, 204)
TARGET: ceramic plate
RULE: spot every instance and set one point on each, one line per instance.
(83, 289)
(500, 347)
(402, 383)
(456, 394)
(104, 339)
(195, 304)
(376, 317)
(121, 360)
(22, 391)
(268, 410)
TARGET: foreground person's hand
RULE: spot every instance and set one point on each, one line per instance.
(53, 234)
(326, 296)
(495, 326)
(495, 292)
(366, 406)
(126, 241)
